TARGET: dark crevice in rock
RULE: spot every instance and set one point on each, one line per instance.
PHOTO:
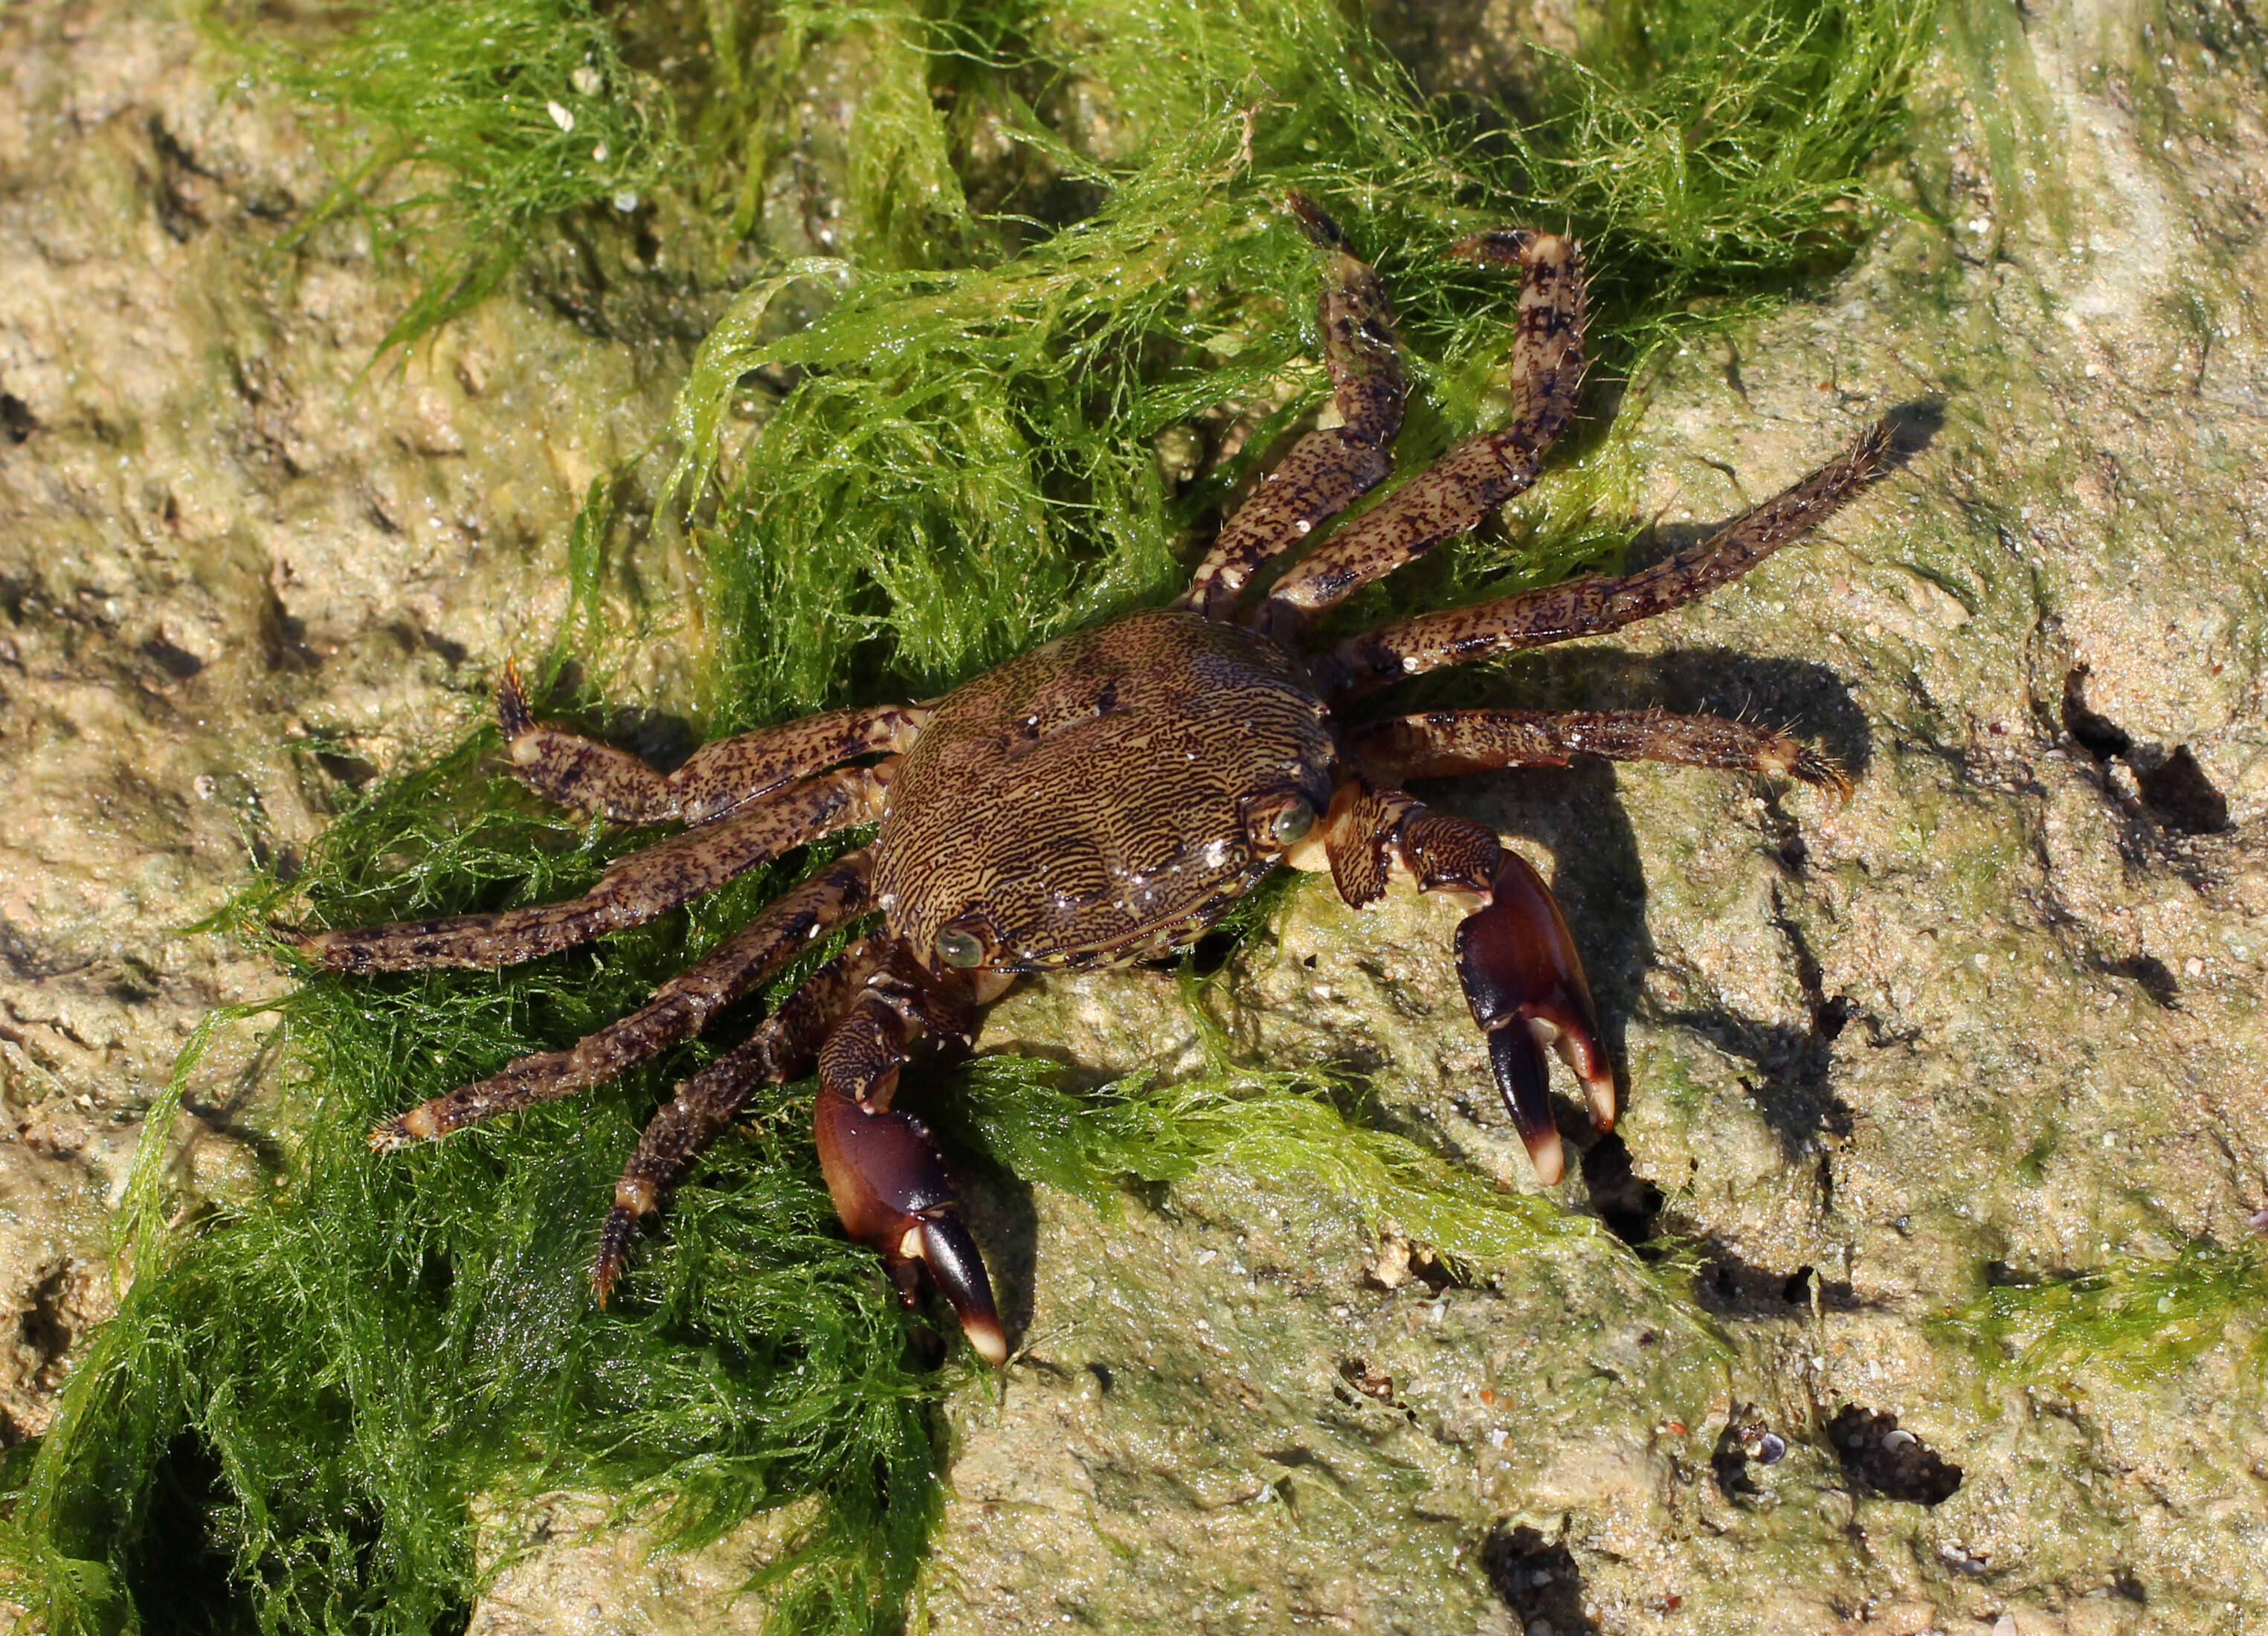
(283, 639)
(352, 770)
(1539, 1580)
(1362, 1375)
(2174, 790)
(17, 421)
(181, 185)
(1893, 1463)
(1628, 1203)
(176, 662)
(42, 1325)
(1212, 951)
(1732, 1286)
(661, 740)
(181, 1576)
(2097, 734)
(2180, 796)
(1745, 1438)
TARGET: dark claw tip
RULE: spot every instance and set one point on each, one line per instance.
(958, 1271)
(513, 716)
(613, 1251)
(1321, 230)
(1824, 775)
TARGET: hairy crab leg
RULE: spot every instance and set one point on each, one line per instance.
(781, 1047)
(1479, 474)
(903, 1003)
(681, 1008)
(718, 778)
(882, 1166)
(1516, 959)
(1598, 603)
(1443, 742)
(1329, 469)
(640, 887)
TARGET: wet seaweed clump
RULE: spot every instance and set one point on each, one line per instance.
(2139, 1322)
(1895, 1463)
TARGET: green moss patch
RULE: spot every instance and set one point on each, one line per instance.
(2138, 1322)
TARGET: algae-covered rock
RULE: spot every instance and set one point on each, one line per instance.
(1896, 1071)
(1944, 1104)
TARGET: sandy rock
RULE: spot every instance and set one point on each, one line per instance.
(236, 574)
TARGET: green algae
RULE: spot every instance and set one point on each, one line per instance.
(2139, 1322)
(464, 128)
(310, 1391)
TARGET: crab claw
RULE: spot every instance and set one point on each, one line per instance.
(889, 1187)
(1525, 982)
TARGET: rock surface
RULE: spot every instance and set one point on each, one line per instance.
(1999, 1019)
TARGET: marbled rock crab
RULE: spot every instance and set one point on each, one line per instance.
(1108, 796)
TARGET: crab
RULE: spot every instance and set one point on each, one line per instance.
(1107, 797)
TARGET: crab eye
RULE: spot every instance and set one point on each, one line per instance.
(1291, 824)
(958, 948)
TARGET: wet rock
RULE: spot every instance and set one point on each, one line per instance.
(236, 575)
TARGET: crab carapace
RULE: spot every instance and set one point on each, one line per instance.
(1108, 796)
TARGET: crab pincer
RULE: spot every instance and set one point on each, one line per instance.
(1525, 983)
(889, 1186)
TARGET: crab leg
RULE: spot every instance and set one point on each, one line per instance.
(716, 779)
(639, 888)
(679, 1009)
(1447, 741)
(1516, 958)
(1479, 474)
(703, 1106)
(1327, 470)
(882, 1166)
(1597, 603)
